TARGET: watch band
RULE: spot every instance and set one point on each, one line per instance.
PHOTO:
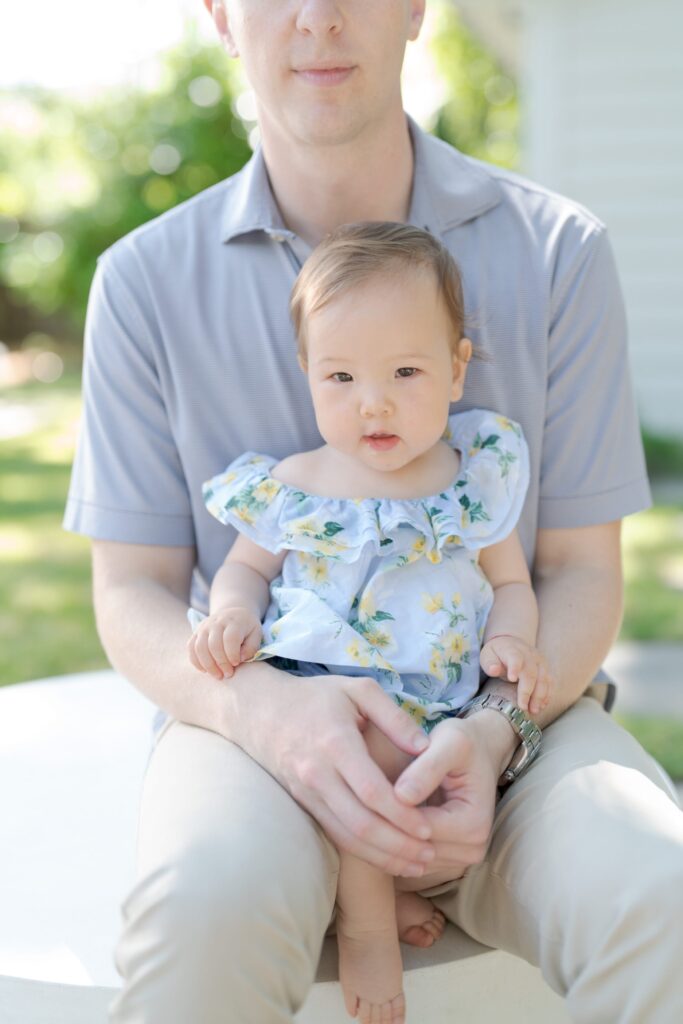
(527, 730)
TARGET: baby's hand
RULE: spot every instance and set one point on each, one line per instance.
(224, 640)
(520, 663)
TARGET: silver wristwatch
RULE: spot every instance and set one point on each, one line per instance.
(527, 730)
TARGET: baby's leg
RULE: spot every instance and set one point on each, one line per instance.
(372, 916)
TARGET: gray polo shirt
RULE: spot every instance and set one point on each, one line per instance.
(190, 356)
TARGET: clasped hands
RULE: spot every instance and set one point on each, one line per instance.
(436, 819)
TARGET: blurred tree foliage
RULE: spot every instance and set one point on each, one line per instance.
(74, 177)
(481, 114)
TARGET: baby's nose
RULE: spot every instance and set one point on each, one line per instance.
(375, 403)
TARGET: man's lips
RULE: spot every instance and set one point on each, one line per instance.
(381, 442)
(325, 75)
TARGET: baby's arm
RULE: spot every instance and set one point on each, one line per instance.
(240, 593)
(509, 646)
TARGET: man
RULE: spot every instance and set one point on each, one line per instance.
(190, 360)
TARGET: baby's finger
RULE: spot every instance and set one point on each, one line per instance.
(491, 664)
(514, 667)
(251, 644)
(231, 640)
(205, 657)
(194, 660)
(524, 691)
(216, 647)
(541, 695)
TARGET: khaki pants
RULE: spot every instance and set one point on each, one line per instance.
(236, 883)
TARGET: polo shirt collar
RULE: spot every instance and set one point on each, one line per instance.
(249, 203)
(448, 189)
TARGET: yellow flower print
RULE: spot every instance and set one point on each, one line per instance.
(243, 513)
(434, 556)
(504, 422)
(360, 657)
(414, 710)
(227, 478)
(455, 600)
(464, 519)
(455, 645)
(305, 526)
(436, 665)
(367, 607)
(377, 638)
(420, 545)
(432, 603)
(318, 570)
(275, 630)
(266, 491)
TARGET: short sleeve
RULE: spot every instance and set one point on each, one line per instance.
(593, 467)
(494, 476)
(127, 482)
(248, 498)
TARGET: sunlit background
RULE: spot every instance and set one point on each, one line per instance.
(111, 114)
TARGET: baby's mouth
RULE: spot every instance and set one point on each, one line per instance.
(380, 441)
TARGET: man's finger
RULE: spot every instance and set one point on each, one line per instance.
(382, 711)
(369, 835)
(419, 780)
(373, 789)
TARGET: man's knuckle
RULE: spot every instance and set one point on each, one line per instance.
(362, 827)
(368, 792)
(307, 774)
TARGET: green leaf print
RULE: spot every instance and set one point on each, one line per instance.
(454, 672)
(382, 617)
(386, 540)
(331, 529)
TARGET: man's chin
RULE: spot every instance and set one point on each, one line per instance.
(328, 128)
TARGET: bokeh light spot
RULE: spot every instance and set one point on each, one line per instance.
(47, 367)
(164, 158)
(48, 246)
(205, 91)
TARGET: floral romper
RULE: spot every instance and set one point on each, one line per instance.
(384, 587)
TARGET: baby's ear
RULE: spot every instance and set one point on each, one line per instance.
(464, 350)
(461, 357)
(301, 359)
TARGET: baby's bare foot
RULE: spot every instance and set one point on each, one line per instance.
(418, 920)
(371, 972)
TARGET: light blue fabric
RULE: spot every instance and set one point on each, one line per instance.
(384, 587)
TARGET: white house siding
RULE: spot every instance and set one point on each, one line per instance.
(602, 100)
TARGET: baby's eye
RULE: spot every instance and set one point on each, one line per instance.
(341, 377)
(406, 371)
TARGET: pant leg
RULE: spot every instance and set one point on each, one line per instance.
(235, 886)
(584, 875)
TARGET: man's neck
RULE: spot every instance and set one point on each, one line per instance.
(319, 187)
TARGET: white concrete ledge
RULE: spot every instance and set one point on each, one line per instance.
(73, 752)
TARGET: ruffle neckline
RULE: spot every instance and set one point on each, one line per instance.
(479, 508)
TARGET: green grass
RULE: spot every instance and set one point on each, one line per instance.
(653, 571)
(47, 625)
(661, 737)
(46, 621)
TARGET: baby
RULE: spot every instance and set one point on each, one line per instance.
(390, 551)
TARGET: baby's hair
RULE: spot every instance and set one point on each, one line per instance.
(353, 253)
